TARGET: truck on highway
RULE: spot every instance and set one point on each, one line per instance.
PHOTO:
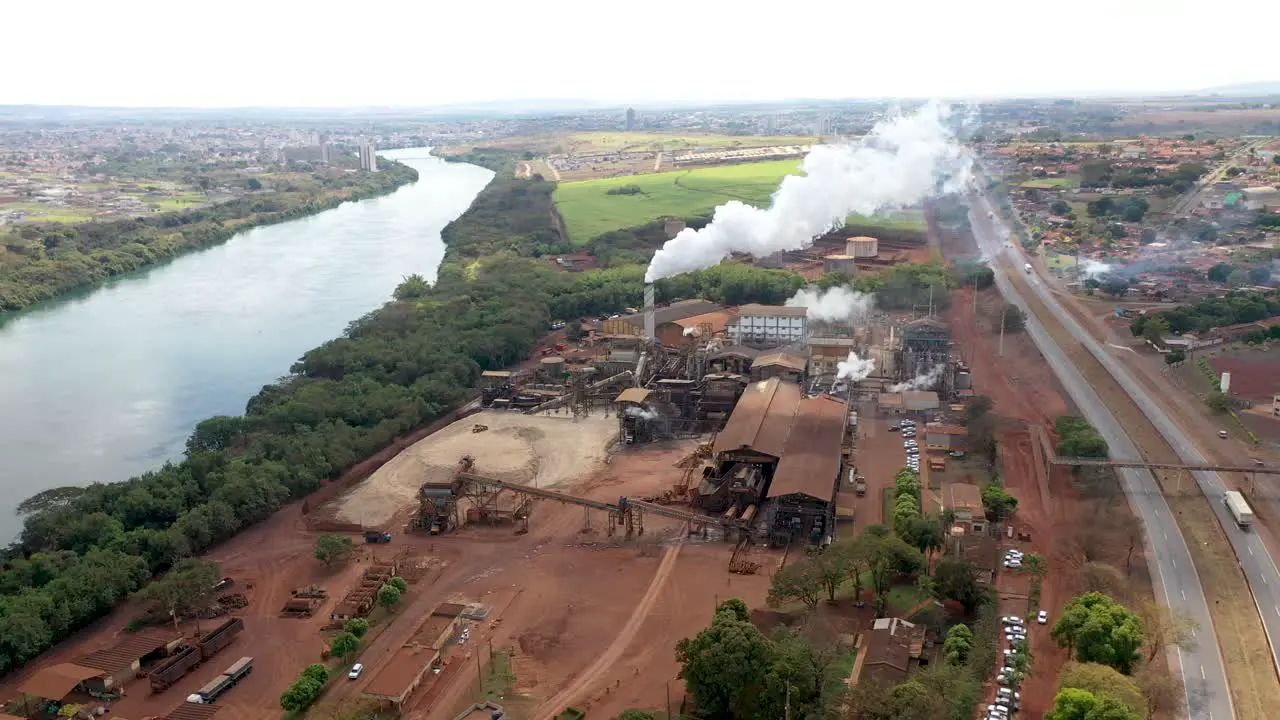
(224, 682)
(1238, 508)
(1027, 267)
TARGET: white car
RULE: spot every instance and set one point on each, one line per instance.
(1009, 653)
(355, 671)
(1043, 617)
(1006, 692)
(1011, 620)
(1015, 630)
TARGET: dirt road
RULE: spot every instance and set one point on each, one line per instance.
(557, 703)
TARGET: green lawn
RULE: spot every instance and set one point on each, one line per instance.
(903, 599)
(908, 219)
(1051, 183)
(590, 211)
(646, 142)
(38, 212)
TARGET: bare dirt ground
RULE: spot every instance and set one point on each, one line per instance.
(548, 451)
(1255, 374)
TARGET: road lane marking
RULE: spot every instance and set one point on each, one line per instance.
(1277, 607)
(1166, 537)
(1250, 549)
(1184, 595)
(1202, 675)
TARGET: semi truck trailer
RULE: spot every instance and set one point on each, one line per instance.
(224, 682)
(1238, 508)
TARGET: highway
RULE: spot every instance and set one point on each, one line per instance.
(1203, 674)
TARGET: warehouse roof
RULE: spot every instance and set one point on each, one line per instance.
(633, 395)
(397, 678)
(57, 681)
(716, 320)
(811, 461)
(945, 429)
(193, 711)
(130, 649)
(761, 419)
(781, 358)
(772, 310)
(675, 311)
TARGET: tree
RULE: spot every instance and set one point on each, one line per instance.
(1220, 272)
(1174, 357)
(958, 580)
(1167, 625)
(1037, 567)
(637, 715)
(1103, 680)
(316, 672)
(724, 664)
(388, 596)
(1098, 629)
(411, 287)
(1059, 207)
(997, 502)
(253, 184)
(924, 534)
(184, 590)
(1161, 692)
(333, 549)
(1154, 330)
(344, 644)
(1114, 285)
(1077, 704)
(300, 695)
(1149, 236)
(1013, 320)
(958, 644)
(800, 580)
(1218, 402)
(357, 627)
(831, 568)
(399, 583)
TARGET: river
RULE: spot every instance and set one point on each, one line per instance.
(109, 382)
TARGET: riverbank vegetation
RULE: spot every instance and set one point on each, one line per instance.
(39, 261)
(393, 370)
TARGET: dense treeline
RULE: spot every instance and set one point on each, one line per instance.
(1231, 309)
(397, 368)
(513, 215)
(42, 260)
(910, 285)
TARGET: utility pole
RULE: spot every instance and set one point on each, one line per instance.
(788, 705)
(668, 700)
(1003, 313)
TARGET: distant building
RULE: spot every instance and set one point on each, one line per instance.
(368, 156)
(324, 149)
(631, 118)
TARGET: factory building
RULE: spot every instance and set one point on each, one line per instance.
(779, 458)
(825, 353)
(909, 401)
(701, 327)
(633, 324)
(862, 247)
(944, 437)
(780, 364)
(840, 265)
(765, 326)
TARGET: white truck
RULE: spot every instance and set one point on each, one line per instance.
(1027, 267)
(1238, 508)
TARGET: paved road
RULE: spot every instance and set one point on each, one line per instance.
(1187, 202)
(1204, 677)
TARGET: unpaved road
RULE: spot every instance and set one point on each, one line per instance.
(557, 703)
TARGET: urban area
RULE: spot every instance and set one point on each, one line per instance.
(998, 444)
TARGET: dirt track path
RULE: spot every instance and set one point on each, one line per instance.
(557, 703)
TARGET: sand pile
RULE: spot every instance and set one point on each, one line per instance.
(520, 448)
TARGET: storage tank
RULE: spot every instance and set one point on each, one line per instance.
(552, 367)
(862, 247)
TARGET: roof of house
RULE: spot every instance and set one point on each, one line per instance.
(449, 609)
(945, 430)
(889, 399)
(57, 681)
(675, 311)
(779, 357)
(633, 395)
(889, 650)
(717, 320)
(396, 677)
(762, 418)
(810, 462)
(964, 496)
(736, 351)
(917, 397)
(772, 310)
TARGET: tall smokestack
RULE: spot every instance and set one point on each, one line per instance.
(649, 329)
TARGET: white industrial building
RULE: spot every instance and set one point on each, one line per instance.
(768, 325)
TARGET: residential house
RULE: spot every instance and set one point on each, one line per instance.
(965, 500)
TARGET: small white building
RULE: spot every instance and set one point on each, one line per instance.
(768, 325)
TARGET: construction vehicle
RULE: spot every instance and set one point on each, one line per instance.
(172, 669)
(216, 639)
(860, 486)
(1238, 508)
(377, 536)
(224, 682)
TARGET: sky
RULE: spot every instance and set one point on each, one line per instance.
(422, 53)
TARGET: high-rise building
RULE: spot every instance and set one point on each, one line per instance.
(631, 118)
(368, 156)
(324, 148)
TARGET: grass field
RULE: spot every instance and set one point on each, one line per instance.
(589, 143)
(590, 211)
(38, 212)
(1051, 183)
(908, 219)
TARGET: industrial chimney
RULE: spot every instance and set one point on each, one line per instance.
(649, 329)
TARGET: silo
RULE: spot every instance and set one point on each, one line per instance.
(862, 247)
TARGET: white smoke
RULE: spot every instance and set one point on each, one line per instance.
(1094, 268)
(921, 382)
(641, 413)
(834, 305)
(855, 369)
(904, 159)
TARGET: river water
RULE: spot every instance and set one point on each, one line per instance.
(108, 383)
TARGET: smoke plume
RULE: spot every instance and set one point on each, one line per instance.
(903, 160)
(1094, 268)
(855, 369)
(834, 305)
(641, 413)
(920, 382)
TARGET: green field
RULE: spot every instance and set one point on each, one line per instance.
(1051, 183)
(590, 211)
(46, 213)
(907, 219)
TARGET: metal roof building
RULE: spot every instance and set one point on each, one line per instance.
(761, 420)
(810, 463)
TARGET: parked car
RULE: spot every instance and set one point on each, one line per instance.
(1043, 617)
(355, 671)
(1011, 620)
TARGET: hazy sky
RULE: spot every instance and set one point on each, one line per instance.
(431, 52)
